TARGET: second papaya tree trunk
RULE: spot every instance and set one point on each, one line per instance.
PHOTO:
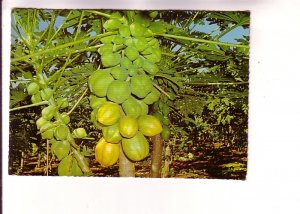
(156, 159)
(126, 167)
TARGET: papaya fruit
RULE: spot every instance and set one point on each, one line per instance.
(107, 154)
(150, 67)
(107, 39)
(96, 102)
(138, 62)
(112, 24)
(48, 112)
(136, 148)
(138, 18)
(110, 59)
(153, 14)
(61, 149)
(137, 29)
(46, 93)
(149, 125)
(152, 97)
(144, 107)
(141, 85)
(124, 31)
(141, 43)
(128, 126)
(36, 98)
(132, 70)
(33, 88)
(118, 91)
(65, 118)
(108, 114)
(106, 48)
(128, 41)
(62, 102)
(131, 52)
(125, 62)
(131, 107)
(99, 82)
(61, 132)
(119, 73)
(118, 40)
(47, 130)
(111, 133)
(79, 133)
(155, 56)
(40, 122)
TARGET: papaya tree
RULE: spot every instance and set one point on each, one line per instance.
(136, 78)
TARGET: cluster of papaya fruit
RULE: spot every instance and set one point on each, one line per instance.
(53, 125)
(124, 88)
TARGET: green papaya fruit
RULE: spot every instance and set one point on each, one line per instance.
(33, 88)
(61, 149)
(62, 102)
(112, 134)
(48, 112)
(138, 62)
(112, 24)
(124, 31)
(46, 93)
(131, 52)
(107, 39)
(119, 73)
(118, 91)
(132, 107)
(137, 29)
(150, 67)
(110, 59)
(138, 18)
(40, 122)
(47, 130)
(136, 148)
(125, 62)
(118, 40)
(152, 97)
(128, 41)
(36, 98)
(144, 107)
(65, 118)
(155, 56)
(132, 70)
(99, 82)
(141, 85)
(96, 102)
(61, 132)
(79, 133)
(141, 43)
(106, 48)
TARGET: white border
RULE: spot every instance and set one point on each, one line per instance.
(272, 184)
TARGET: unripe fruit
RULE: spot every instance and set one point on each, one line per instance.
(149, 125)
(79, 133)
(128, 126)
(48, 112)
(33, 88)
(61, 132)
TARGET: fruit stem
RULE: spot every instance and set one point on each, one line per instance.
(31, 105)
(162, 91)
(78, 101)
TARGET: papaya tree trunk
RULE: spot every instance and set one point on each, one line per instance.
(126, 167)
(156, 159)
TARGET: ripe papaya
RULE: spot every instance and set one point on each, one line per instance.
(119, 73)
(48, 112)
(99, 82)
(33, 88)
(131, 52)
(152, 97)
(150, 67)
(131, 107)
(108, 114)
(111, 133)
(61, 149)
(79, 133)
(118, 91)
(107, 154)
(61, 132)
(141, 85)
(149, 125)
(136, 148)
(110, 59)
(128, 126)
